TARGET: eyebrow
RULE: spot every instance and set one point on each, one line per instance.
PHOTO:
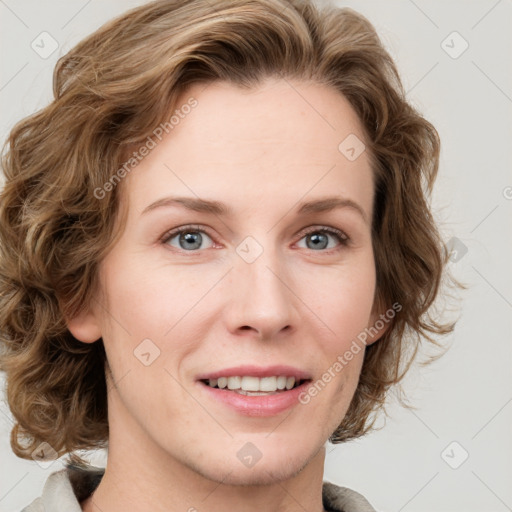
(323, 204)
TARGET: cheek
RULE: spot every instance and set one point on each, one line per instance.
(147, 300)
(145, 311)
(342, 298)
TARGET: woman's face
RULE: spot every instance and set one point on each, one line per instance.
(268, 282)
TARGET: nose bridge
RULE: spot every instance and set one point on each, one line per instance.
(261, 298)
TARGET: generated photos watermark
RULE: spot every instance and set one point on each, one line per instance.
(343, 359)
(144, 150)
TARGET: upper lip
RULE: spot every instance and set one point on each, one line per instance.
(257, 371)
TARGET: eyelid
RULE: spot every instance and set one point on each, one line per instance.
(171, 233)
(329, 229)
(344, 239)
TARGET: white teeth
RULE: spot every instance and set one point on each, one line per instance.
(281, 382)
(267, 384)
(248, 383)
(234, 382)
(254, 393)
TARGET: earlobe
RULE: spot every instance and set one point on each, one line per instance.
(84, 327)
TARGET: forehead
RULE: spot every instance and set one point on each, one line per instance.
(278, 139)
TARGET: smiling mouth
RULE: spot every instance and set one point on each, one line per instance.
(214, 385)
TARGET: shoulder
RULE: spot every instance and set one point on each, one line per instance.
(65, 489)
(343, 499)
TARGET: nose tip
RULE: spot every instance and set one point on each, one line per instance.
(261, 300)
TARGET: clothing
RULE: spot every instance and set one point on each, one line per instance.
(65, 489)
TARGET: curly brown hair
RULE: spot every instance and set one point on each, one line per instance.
(110, 92)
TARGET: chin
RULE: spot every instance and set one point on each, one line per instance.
(257, 476)
(266, 471)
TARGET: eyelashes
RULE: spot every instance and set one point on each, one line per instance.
(180, 231)
(342, 239)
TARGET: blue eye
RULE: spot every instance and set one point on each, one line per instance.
(319, 239)
(189, 238)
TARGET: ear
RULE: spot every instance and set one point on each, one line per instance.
(379, 322)
(85, 326)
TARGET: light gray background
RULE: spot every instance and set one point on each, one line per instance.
(466, 396)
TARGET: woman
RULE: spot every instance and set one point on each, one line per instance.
(217, 255)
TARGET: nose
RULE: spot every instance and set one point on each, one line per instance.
(261, 297)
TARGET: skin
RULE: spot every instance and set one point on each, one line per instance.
(260, 151)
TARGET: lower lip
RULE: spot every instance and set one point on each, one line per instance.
(269, 405)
